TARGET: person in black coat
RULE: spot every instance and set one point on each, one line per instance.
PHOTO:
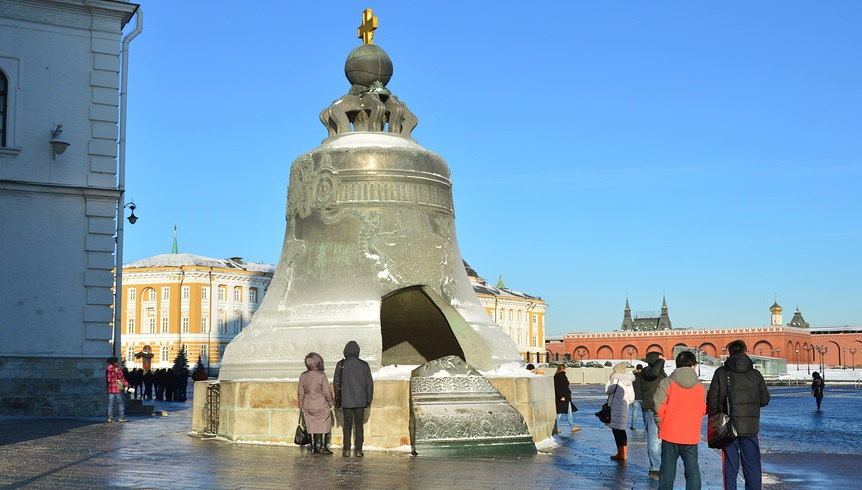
(748, 393)
(817, 388)
(563, 398)
(639, 396)
(650, 377)
(354, 390)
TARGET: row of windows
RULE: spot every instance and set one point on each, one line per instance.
(511, 313)
(149, 294)
(185, 323)
(165, 353)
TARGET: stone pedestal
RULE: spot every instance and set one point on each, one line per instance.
(266, 411)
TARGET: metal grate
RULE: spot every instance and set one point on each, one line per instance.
(211, 408)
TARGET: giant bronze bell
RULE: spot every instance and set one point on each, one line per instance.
(369, 251)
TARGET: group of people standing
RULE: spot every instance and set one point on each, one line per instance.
(673, 408)
(353, 393)
(168, 384)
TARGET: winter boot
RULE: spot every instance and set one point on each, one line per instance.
(321, 441)
(621, 454)
(315, 443)
(358, 452)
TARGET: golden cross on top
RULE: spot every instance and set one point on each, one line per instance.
(369, 24)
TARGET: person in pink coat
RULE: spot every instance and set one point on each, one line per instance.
(113, 374)
(315, 400)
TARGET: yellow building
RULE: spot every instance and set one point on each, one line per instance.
(178, 299)
(519, 315)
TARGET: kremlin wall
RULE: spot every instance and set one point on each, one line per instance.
(795, 342)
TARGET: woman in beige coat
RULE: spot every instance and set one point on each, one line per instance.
(315, 400)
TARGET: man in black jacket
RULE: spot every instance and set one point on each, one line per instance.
(354, 390)
(748, 393)
(650, 377)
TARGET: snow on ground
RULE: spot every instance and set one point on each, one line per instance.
(794, 371)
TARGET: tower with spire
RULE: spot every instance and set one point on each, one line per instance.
(649, 321)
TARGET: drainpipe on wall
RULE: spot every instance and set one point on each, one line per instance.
(121, 178)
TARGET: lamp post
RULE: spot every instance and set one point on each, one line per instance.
(698, 352)
(723, 350)
(853, 357)
(797, 359)
(845, 358)
(809, 355)
(761, 352)
(630, 351)
(581, 355)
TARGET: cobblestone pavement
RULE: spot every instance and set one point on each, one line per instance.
(158, 452)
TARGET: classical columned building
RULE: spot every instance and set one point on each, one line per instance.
(521, 316)
(201, 303)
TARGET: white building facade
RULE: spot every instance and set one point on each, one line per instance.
(59, 193)
(201, 303)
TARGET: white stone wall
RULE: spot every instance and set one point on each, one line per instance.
(57, 222)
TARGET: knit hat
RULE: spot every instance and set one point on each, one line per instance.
(621, 367)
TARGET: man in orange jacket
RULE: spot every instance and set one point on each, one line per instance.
(680, 401)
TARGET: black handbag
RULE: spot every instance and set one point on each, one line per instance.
(604, 414)
(574, 408)
(720, 430)
(302, 436)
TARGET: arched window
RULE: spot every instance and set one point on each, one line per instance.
(130, 353)
(165, 354)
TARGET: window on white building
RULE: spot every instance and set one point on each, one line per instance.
(205, 292)
(536, 320)
(252, 296)
(185, 324)
(510, 315)
(187, 291)
(519, 315)
(221, 352)
(221, 323)
(130, 324)
(165, 327)
(130, 354)
(151, 322)
(165, 354)
(237, 294)
(237, 321)
(535, 341)
(205, 324)
(166, 292)
(4, 103)
(133, 293)
(502, 315)
(205, 352)
(222, 293)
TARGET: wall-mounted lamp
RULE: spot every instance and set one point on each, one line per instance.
(132, 218)
(58, 145)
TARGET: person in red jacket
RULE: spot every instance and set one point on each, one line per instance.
(680, 401)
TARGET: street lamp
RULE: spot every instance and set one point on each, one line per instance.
(630, 351)
(797, 359)
(581, 355)
(845, 358)
(723, 350)
(853, 357)
(761, 352)
(810, 354)
(698, 353)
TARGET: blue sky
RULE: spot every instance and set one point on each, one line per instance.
(710, 152)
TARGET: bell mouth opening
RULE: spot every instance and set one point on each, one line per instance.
(414, 328)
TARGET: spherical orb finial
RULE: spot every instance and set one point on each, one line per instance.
(367, 64)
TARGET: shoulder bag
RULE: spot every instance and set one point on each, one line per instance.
(302, 436)
(720, 430)
(604, 414)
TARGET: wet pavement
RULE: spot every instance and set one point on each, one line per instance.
(802, 449)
